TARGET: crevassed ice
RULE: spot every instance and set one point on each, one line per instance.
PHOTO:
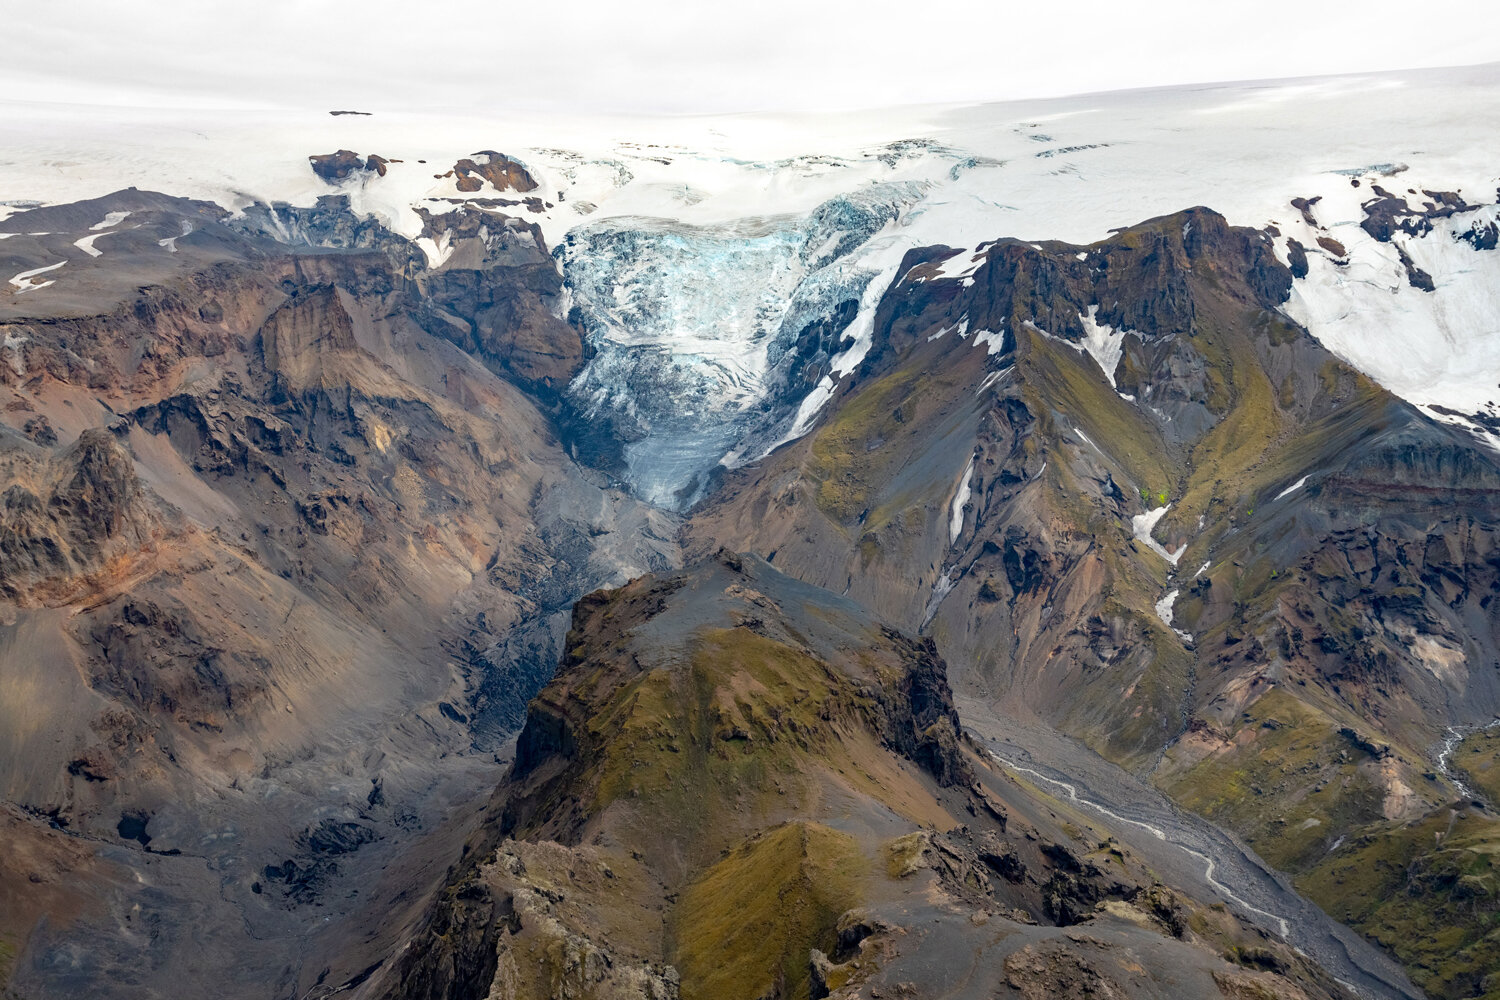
(704, 337)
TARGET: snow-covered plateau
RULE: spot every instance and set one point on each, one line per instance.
(696, 251)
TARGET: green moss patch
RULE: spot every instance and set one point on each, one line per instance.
(1429, 892)
(849, 459)
(1291, 790)
(744, 712)
(1479, 757)
(744, 928)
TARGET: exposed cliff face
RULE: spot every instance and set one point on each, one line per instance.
(68, 515)
(515, 327)
(734, 787)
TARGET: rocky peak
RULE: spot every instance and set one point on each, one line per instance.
(334, 167)
(71, 513)
(502, 172)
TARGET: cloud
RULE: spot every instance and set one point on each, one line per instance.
(655, 55)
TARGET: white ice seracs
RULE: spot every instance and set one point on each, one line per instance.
(698, 330)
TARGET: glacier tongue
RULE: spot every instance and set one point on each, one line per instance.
(706, 339)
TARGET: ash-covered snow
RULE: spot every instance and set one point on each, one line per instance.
(940, 590)
(13, 343)
(23, 280)
(170, 243)
(111, 219)
(956, 519)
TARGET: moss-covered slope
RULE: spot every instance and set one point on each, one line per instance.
(739, 787)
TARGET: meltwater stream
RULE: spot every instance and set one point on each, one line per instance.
(1190, 848)
(1454, 736)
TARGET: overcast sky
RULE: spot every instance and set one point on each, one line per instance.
(652, 55)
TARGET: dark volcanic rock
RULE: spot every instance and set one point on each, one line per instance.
(334, 167)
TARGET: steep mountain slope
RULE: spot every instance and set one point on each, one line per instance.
(741, 786)
(282, 566)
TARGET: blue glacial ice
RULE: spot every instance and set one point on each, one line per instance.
(705, 340)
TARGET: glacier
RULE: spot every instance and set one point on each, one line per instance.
(706, 339)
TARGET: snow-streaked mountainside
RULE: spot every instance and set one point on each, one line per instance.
(697, 251)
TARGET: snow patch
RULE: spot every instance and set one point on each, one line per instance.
(23, 280)
(1290, 489)
(962, 328)
(437, 250)
(992, 340)
(1103, 343)
(111, 219)
(992, 378)
(171, 241)
(1164, 612)
(940, 590)
(1089, 442)
(963, 264)
(1164, 607)
(956, 519)
(1143, 524)
(87, 244)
